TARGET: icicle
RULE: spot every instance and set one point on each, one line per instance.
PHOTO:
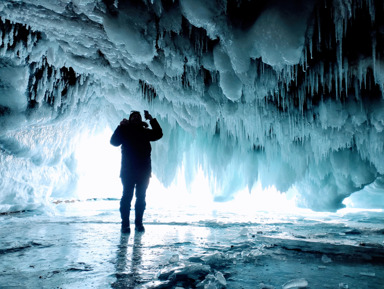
(318, 28)
(57, 98)
(40, 92)
(29, 41)
(44, 78)
(11, 36)
(321, 72)
(346, 77)
(372, 12)
(310, 47)
(19, 49)
(51, 82)
(337, 87)
(345, 22)
(304, 64)
(360, 73)
(330, 77)
(71, 96)
(339, 66)
(5, 43)
(374, 56)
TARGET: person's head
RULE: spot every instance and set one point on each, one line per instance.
(135, 117)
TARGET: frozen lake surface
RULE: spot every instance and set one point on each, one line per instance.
(79, 245)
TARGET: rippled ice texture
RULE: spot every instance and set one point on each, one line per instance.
(79, 245)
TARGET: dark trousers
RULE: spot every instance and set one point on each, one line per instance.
(129, 185)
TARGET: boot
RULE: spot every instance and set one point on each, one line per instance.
(125, 229)
(124, 212)
(139, 221)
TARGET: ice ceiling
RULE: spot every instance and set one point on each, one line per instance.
(286, 93)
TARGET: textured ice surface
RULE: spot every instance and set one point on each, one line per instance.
(80, 246)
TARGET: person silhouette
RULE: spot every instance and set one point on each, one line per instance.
(134, 136)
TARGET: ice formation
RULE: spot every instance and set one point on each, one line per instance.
(285, 93)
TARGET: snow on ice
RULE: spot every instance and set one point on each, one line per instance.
(82, 247)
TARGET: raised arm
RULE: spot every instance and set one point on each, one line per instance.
(156, 132)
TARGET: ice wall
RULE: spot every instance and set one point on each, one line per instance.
(288, 93)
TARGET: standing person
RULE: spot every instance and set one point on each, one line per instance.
(134, 136)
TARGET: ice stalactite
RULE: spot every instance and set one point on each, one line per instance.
(280, 89)
(38, 107)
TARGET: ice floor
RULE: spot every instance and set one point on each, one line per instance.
(79, 245)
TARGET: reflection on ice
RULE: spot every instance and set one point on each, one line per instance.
(79, 245)
(128, 264)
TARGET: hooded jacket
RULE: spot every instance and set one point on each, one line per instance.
(136, 148)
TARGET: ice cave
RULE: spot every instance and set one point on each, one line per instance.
(270, 172)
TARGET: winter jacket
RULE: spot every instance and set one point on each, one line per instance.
(136, 148)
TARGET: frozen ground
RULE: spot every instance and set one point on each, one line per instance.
(79, 245)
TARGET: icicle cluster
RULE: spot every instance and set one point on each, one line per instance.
(290, 95)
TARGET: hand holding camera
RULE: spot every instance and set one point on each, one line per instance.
(147, 116)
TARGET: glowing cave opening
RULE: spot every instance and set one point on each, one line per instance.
(98, 165)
